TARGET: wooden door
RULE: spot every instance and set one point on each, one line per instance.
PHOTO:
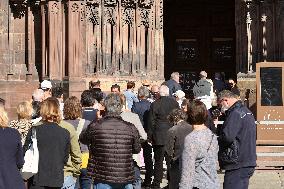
(200, 35)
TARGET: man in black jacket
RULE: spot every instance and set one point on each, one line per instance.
(158, 129)
(112, 142)
(142, 109)
(237, 142)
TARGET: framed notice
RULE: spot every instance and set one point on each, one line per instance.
(187, 51)
(270, 93)
(222, 50)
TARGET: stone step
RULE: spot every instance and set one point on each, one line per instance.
(272, 156)
(269, 149)
(279, 165)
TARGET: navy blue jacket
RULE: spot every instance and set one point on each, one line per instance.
(89, 114)
(218, 86)
(239, 125)
(142, 109)
(173, 86)
(11, 159)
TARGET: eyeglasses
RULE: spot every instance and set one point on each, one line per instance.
(154, 93)
(223, 100)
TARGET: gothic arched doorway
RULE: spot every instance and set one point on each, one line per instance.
(200, 35)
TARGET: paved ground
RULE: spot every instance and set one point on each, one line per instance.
(262, 179)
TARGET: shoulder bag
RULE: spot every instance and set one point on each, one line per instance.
(31, 158)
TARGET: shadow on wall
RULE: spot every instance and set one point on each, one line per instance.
(251, 104)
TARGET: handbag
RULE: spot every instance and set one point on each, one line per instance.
(31, 158)
(230, 155)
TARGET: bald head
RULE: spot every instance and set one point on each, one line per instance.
(155, 88)
(164, 90)
(38, 95)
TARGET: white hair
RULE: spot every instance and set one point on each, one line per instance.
(164, 90)
(38, 95)
(174, 74)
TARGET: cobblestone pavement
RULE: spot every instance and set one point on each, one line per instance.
(262, 179)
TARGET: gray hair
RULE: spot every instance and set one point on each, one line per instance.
(113, 103)
(143, 92)
(164, 90)
(227, 94)
(38, 95)
(174, 74)
(177, 115)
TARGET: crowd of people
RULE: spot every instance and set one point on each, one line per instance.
(101, 141)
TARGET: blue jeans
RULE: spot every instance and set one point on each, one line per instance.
(112, 186)
(238, 178)
(138, 181)
(69, 182)
(83, 181)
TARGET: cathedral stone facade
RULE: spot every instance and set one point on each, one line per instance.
(74, 41)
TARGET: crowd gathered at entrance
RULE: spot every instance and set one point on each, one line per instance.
(101, 141)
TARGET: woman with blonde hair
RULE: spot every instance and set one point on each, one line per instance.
(53, 146)
(23, 124)
(11, 154)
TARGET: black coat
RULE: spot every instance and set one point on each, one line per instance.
(218, 86)
(112, 143)
(54, 147)
(142, 109)
(158, 121)
(177, 134)
(239, 125)
(11, 159)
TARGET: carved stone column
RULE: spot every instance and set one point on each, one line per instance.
(78, 48)
(14, 53)
(264, 48)
(5, 55)
(55, 23)
(76, 39)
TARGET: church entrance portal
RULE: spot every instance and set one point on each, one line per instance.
(200, 35)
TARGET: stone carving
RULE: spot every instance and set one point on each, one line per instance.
(161, 14)
(128, 16)
(92, 14)
(95, 3)
(110, 3)
(144, 16)
(128, 4)
(55, 8)
(145, 4)
(18, 9)
(109, 14)
(82, 12)
(75, 7)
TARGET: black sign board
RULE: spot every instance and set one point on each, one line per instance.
(187, 82)
(271, 86)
